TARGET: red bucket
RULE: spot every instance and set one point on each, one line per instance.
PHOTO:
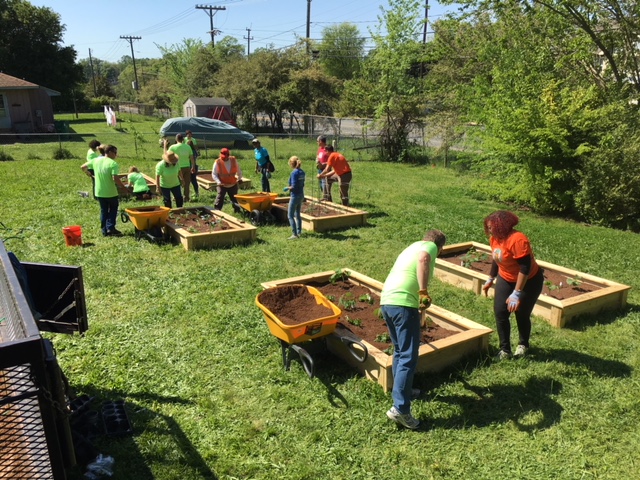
(72, 235)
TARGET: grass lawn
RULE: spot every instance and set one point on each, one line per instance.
(178, 335)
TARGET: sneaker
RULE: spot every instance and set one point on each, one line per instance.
(293, 237)
(521, 351)
(114, 233)
(415, 393)
(405, 420)
(502, 355)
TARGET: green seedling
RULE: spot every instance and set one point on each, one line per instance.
(339, 276)
(472, 256)
(389, 350)
(575, 282)
(354, 321)
(366, 298)
(347, 301)
(552, 286)
(331, 298)
(378, 313)
(383, 338)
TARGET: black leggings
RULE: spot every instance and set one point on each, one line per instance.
(528, 297)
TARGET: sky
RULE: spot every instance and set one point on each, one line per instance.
(98, 24)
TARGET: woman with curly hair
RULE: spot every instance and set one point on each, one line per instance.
(519, 280)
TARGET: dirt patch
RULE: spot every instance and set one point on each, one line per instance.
(556, 284)
(316, 209)
(198, 220)
(359, 307)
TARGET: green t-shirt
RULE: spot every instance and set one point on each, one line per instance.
(401, 286)
(184, 152)
(91, 155)
(168, 174)
(138, 181)
(104, 169)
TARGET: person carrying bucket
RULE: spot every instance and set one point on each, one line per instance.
(105, 171)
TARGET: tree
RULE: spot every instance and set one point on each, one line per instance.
(387, 89)
(31, 48)
(341, 50)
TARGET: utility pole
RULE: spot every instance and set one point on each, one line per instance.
(248, 38)
(308, 23)
(135, 72)
(93, 77)
(211, 12)
(426, 18)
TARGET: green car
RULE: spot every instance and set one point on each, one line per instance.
(208, 132)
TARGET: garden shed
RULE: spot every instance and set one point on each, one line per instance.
(209, 107)
(24, 106)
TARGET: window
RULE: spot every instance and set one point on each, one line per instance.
(3, 111)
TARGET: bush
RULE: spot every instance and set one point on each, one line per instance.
(33, 156)
(5, 157)
(62, 154)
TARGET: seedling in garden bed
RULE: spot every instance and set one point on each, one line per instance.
(354, 321)
(383, 338)
(347, 301)
(575, 282)
(552, 286)
(378, 313)
(366, 298)
(473, 256)
(339, 276)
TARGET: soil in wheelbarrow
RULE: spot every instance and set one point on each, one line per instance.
(198, 220)
(293, 304)
(556, 284)
(359, 305)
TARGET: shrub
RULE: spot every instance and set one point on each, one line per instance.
(62, 154)
(33, 156)
(5, 157)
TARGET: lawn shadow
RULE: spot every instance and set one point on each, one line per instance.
(529, 407)
(584, 322)
(336, 235)
(598, 366)
(373, 211)
(142, 419)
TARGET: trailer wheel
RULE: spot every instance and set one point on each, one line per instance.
(256, 218)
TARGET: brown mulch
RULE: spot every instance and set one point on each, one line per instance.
(198, 220)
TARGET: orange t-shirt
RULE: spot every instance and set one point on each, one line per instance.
(339, 163)
(506, 252)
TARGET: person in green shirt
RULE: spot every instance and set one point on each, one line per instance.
(105, 173)
(186, 162)
(96, 149)
(168, 178)
(403, 296)
(139, 184)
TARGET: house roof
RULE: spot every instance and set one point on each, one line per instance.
(7, 82)
(208, 101)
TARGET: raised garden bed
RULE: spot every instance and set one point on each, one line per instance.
(205, 180)
(124, 192)
(201, 227)
(450, 338)
(320, 216)
(567, 293)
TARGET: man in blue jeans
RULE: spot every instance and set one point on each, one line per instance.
(404, 294)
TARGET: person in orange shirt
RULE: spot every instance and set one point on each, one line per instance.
(519, 280)
(337, 170)
(226, 173)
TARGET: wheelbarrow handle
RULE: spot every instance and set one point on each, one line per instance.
(305, 359)
(361, 353)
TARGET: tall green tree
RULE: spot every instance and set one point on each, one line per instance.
(31, 48)
(341, 50)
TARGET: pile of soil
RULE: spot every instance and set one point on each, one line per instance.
(293, 304)
(556, 283)
(293, 307)
(198, 220)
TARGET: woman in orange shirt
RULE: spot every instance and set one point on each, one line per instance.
(337, 170)
(519, 281)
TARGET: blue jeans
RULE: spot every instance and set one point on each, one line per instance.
(404, 330)
(177, 194)
(108, 213)
(295, 219)
(266, 187)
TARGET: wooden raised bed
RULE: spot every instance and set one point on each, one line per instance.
(206, 181)
(472, 337)
(343, 217)
(123, 192)
(607, 296)
(239, 232)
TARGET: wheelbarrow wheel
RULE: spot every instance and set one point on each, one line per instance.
(256, 217)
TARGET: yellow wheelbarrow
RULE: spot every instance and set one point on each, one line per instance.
(257, 206)
(147, 221)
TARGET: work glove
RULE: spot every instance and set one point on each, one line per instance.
(424, 299)
(487, 285)
(513, 302)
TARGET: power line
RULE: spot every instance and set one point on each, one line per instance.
(135, 72)
(211, 13)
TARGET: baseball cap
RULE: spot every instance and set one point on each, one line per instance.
(224, 151)
(255, 140)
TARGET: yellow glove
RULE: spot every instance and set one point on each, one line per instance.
(424, 299)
